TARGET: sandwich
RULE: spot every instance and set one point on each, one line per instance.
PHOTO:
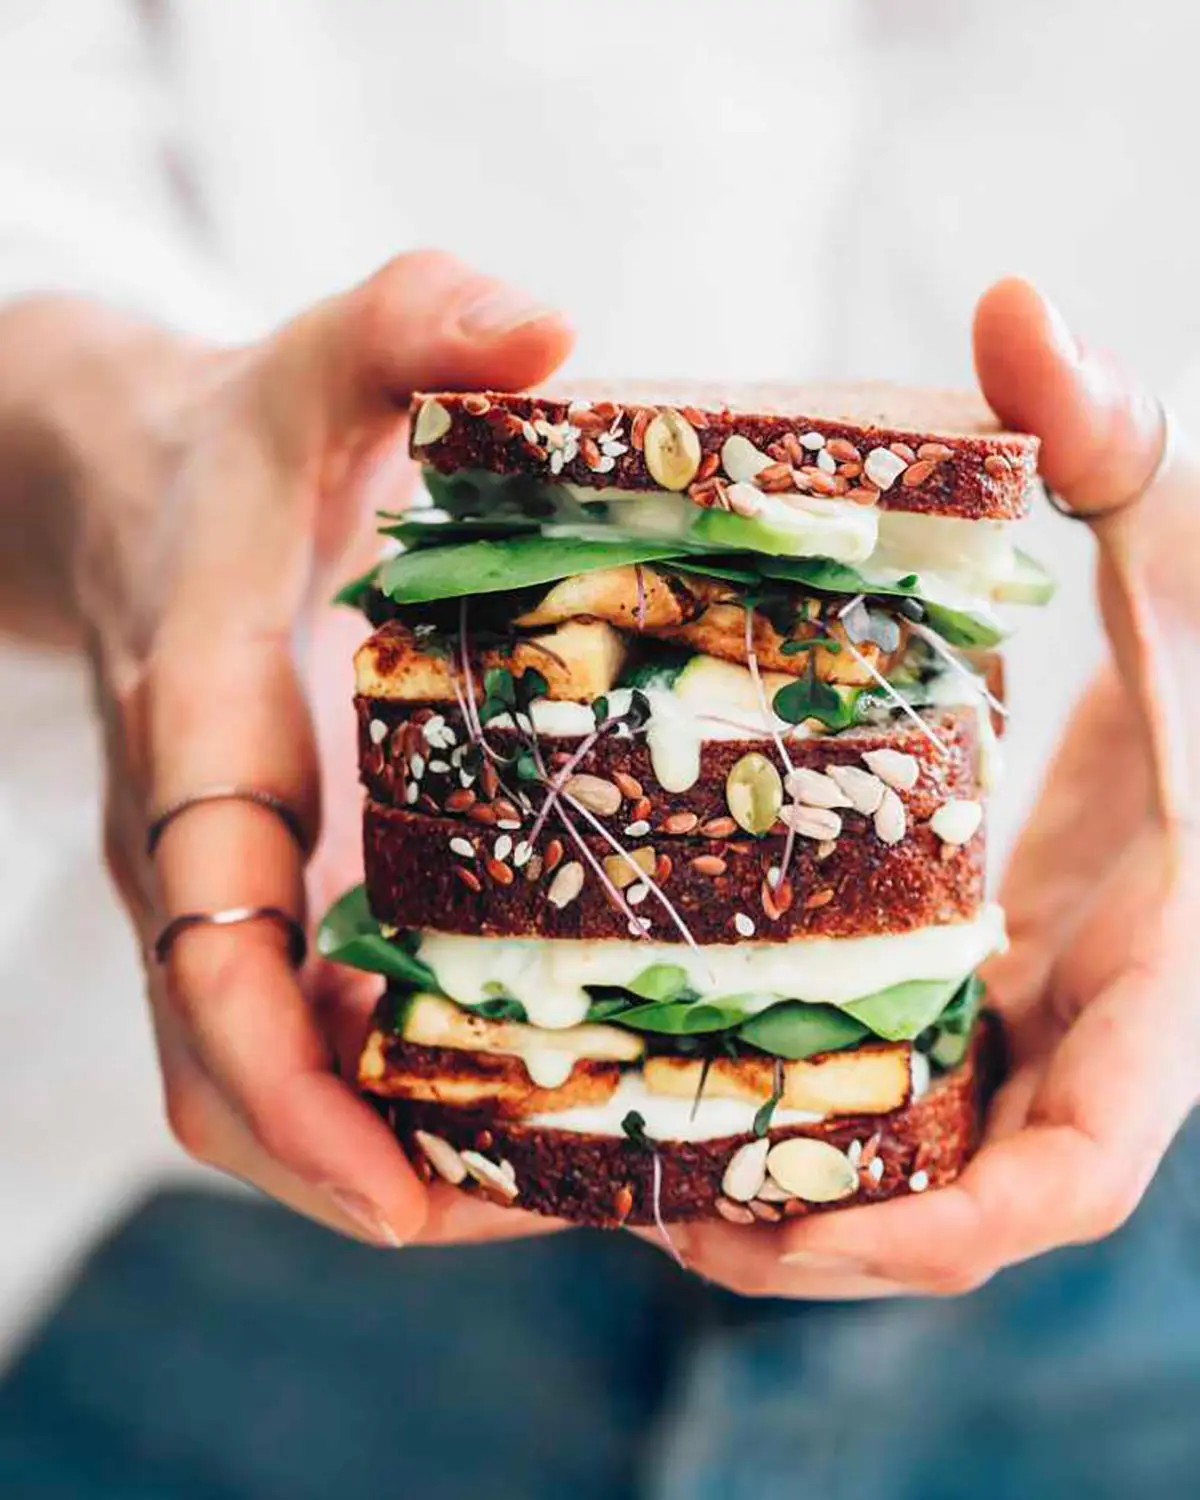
(676, 725)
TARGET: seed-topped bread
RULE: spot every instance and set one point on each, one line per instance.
(676, 728)
(935, 451)
(615, 1179)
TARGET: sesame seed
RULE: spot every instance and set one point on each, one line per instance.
(854, 1153)
(508, 823)
(875, 1170)
(378, 731)
(466, 778)
(918, 1182)
(826, 462)
(638, 829)
(411, 793)
(813, 441)
(743, 924)
(417, 766)
(462, 846)
(636, 894)
(502, 848)
(774, 876)
(883, 467)
(439, 767)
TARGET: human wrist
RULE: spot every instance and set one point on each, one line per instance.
(93, 409)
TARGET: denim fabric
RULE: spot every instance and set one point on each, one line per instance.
(216, 1349)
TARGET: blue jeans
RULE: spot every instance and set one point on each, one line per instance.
(216, 1349)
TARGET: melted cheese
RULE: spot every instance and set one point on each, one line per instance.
(550, 977)
(666, 1119)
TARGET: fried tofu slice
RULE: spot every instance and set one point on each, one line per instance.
(869, 1080)
(708, 615)
(477, 1080)
(447, 1055)
(580, 660)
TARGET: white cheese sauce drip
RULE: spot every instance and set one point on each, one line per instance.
(550, 977)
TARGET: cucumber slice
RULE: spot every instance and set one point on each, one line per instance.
(1028, 583)
(725, 687)
(661, 671)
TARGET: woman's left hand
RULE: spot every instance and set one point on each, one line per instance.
(1103, 893)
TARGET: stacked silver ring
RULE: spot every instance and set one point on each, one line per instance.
(231, 916)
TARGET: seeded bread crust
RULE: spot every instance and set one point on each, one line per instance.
(416, 878)
(956, 460)
(389, 759)
(609, 1181)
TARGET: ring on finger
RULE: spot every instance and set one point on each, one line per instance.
(233, 916)
(257, 796)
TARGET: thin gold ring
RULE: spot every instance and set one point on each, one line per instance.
(233, 916)
(1166, 448)
(287, 815)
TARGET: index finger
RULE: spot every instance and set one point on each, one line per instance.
(233, 711)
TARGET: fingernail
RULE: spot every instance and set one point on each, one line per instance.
(367, 1216)
(830, 1265)
(498, 309)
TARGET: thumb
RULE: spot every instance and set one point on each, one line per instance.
(1101, 432)
(426, 320)
(1104, 446)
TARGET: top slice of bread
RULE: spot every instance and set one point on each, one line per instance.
(906, 448)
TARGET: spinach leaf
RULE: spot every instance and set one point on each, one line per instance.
(950, 1036)
(659, 982)
(796, 1030)
(350, 935)
(356, 593)
(902, 1012)
(486, 567)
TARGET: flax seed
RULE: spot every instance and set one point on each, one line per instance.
(845, 452)
(718, 828)
(482, 812)
(641, 809)
(934, 451)
(488, 780)
(505, 811)
(662, 869)
(917, 473)
(630, 786)
(468, 878)
(622, 1203)
(709, 465)
(819, 899)
(680, 823)
(590, 453)
(696, 418)
(637, 428)
(708, 864)
(552, 856)
(501, 873)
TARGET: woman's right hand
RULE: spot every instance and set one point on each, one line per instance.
(213, 497)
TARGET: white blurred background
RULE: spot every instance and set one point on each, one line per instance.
(809, 187)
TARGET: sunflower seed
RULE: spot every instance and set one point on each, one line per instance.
(441, 1156)
(895, 767)
(957, 822)
(815, 789)
(746, 1172)
(891, 821)
(566, 885)
(883, 468)
(864, 790)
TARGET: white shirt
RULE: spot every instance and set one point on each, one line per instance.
(807, 187)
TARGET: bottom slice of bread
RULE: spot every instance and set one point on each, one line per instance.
(611, 1180)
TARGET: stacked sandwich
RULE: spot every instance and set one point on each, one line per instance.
(676, 726)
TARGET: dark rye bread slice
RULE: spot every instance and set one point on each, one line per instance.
(947, 453)
(609, 1180)
(450, 876)
(404, 765)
